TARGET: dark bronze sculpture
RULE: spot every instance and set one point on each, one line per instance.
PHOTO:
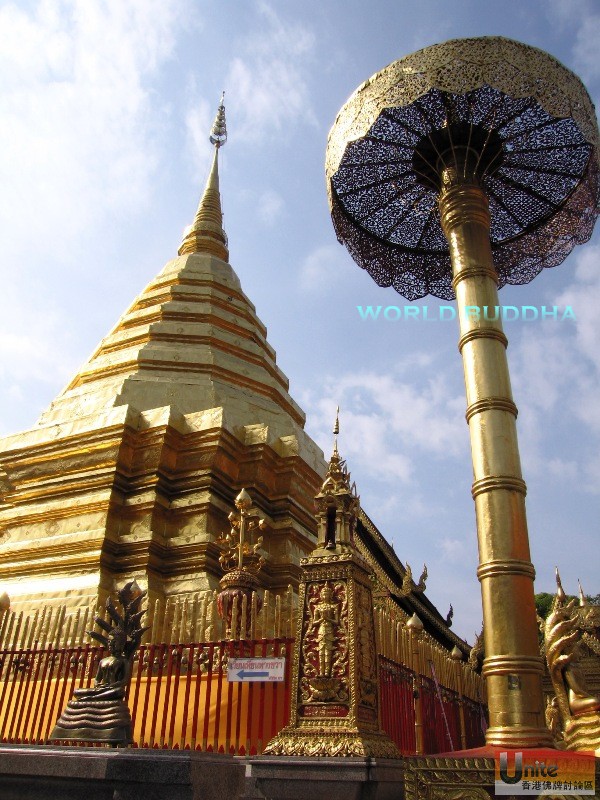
(100, 714)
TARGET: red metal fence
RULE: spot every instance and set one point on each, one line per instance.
(397, 704)
(180, 697)
(441, 731)
(475, 723)
(441, 720)
(179, 694)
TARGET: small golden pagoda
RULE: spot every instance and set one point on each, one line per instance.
(335, 705)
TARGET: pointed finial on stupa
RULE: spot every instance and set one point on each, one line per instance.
(336, 429)
(206, 234)
(582, 601)
(338, 477)
(218, 134)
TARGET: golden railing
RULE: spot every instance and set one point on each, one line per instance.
(273, 616)
(394, 642)
(190, 619)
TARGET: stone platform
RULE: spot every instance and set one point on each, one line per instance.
(299, 778)
(87, 773)
(92, 773)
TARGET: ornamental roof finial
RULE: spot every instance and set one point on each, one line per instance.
(218, 134)
(338, 478)
(336, 429)
(206, 234)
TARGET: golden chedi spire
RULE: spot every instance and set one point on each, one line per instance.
(206, 234)
(184, 383)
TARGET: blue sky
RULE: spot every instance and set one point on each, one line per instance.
(105, 107)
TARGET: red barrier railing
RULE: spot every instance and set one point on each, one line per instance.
(475, 723)
(440, 735)
(397, 704)
(180, 697)
(179, 694)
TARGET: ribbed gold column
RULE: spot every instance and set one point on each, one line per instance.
(512, 665)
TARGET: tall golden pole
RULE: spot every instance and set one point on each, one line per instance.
(513, 667)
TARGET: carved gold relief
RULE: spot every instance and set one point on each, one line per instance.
(437, 778)
(367, 667)
(325, 645)
(331, 743)
(334, 691)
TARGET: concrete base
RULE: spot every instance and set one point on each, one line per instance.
(299, 778)
(92, 773)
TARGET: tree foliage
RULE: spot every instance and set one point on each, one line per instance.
(544, 600)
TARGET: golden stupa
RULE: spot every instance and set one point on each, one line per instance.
(131, 471)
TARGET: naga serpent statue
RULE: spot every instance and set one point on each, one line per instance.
(100, 714)
(574, 713)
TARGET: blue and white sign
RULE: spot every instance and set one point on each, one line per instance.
(256, 669)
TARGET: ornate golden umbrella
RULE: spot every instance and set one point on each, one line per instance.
(460, 168)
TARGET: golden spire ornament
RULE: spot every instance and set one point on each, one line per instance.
(206, 234)
(336, 425)
(218, 134)
(241, 562)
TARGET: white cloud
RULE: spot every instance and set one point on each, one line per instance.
(565, 470)
(199, 120)
(268, 81)
(321, 269)
(77, 113)
(269, 206)
(36, 354)
(584, 298)
(453, 549)
(79, 142)
(556, 372)
(423, 416)
(390, 422)
(584, 16)
(31, 343)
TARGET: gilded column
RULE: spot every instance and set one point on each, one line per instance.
(411, 158)
(512, 666)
